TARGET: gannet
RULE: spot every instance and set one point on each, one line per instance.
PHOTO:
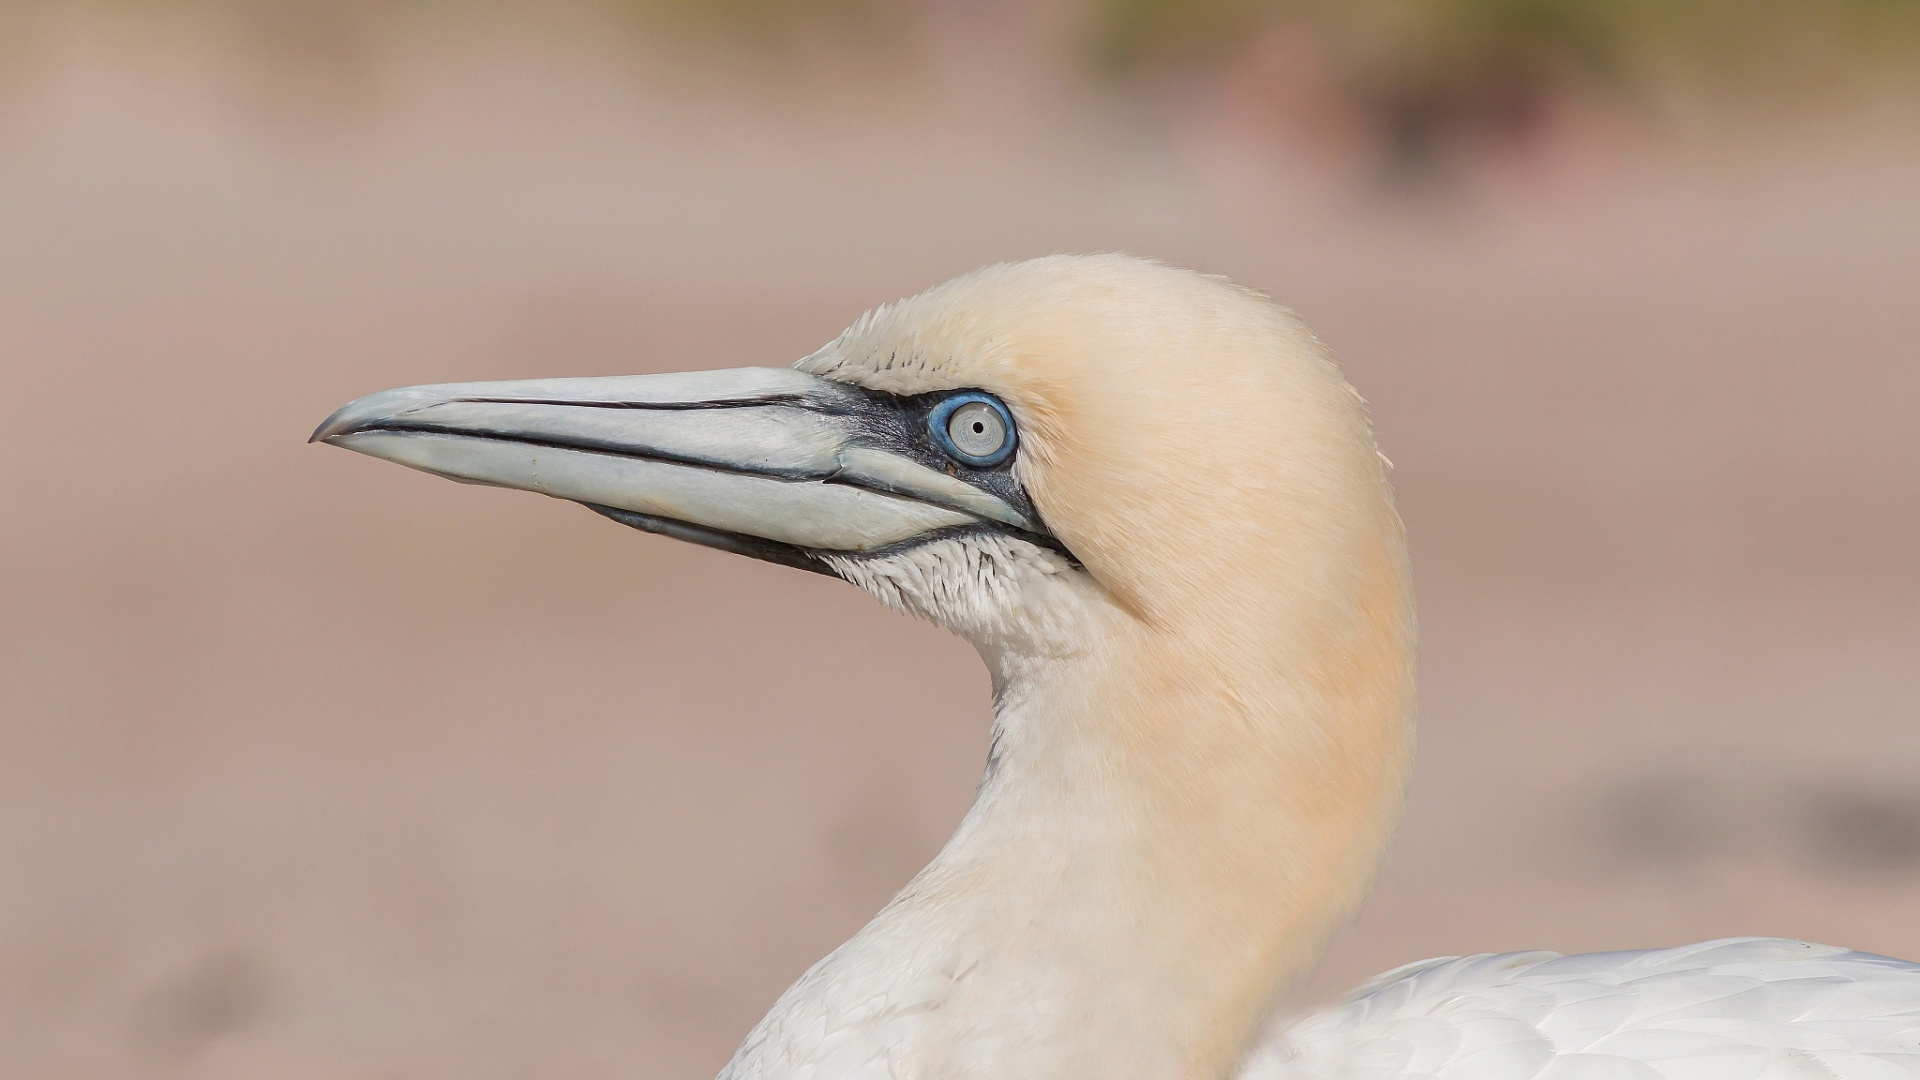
(1152, 502)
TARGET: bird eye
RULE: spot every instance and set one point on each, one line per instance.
(974, 429)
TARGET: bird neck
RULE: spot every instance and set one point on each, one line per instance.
(1172, 825)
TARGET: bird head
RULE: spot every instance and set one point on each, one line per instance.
(1010, 454)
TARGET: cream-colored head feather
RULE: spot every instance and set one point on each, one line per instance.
(1177, 431)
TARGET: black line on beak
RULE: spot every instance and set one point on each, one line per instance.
(661, 406)
(753, 547)
(585, 446)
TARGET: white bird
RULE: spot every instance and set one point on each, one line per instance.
(1152, 502)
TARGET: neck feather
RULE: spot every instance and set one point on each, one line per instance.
(1173, 823)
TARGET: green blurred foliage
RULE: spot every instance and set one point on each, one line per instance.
(1379, 40)
(1435, 42)
(1426, 71)
(770, 21)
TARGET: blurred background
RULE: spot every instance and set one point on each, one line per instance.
(311, 766)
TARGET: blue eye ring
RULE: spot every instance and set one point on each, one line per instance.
(942, 416)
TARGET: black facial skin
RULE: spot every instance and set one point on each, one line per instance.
(899, 425)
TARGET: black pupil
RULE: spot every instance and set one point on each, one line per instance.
(979, 428)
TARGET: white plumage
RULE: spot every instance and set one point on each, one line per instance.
(1183, 568)
(1739, 1009)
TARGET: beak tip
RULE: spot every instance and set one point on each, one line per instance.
(331, 428)
(362, 413)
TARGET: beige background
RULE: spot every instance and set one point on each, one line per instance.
(311, 766)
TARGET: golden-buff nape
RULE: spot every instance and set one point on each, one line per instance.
(1200, 756)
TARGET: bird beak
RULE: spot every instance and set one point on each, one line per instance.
(768, 462)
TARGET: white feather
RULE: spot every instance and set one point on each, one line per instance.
(1739, 1009)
